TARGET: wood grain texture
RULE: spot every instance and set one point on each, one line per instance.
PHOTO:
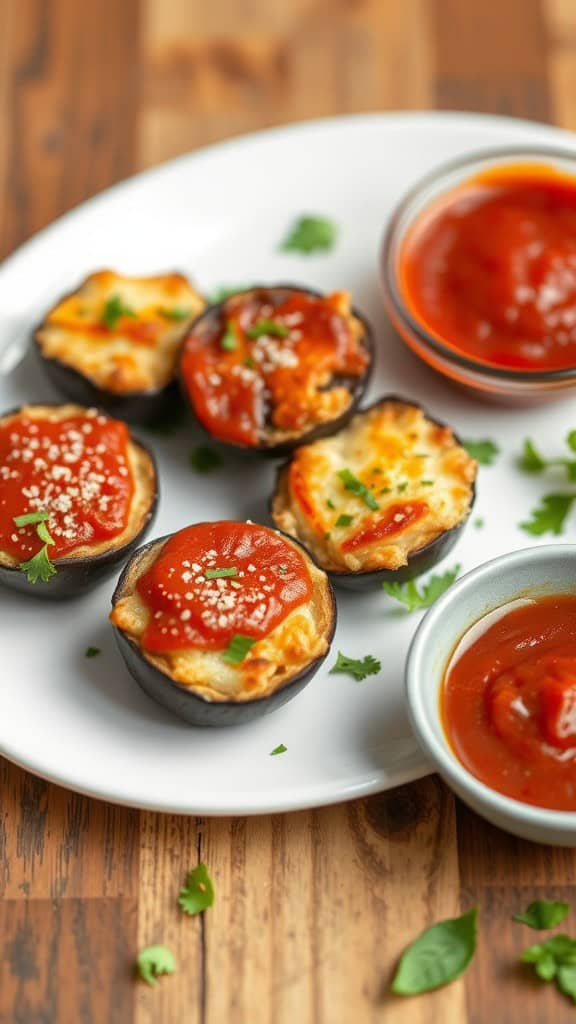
(312, 909)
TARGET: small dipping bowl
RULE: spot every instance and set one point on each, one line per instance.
(531, 573)
(433, 195)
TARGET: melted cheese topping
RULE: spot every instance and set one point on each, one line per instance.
(133, 353)
(140, 465)
(414, 470)
(302, 637)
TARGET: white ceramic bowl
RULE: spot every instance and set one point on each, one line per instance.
(533, 572)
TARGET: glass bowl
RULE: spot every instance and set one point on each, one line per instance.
(489, 379)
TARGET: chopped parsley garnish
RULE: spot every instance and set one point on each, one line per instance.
(268, 327)
(226, 290)
(114, 309)
(439, 955)
(355, 486)
(220, 574)
(205, 460)
(402, 487)
(238, 648)
(484, 451)
(330, 504)
(197, 894)
(543, 914)
(176, 313)
(550, 516)
(39, 567)
(427, 483)
(414, 599)
(154, 961)
(229, 341)
(344, 520)
(282, 569)
(92, 652)
(359, 668)
(310, 234)
(280, 749)
(532, 461)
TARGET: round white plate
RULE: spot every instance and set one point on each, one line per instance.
(219, 215)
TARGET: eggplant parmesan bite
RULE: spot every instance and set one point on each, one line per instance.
(114, 342)
(223, 622)
(384, 499)
(77, 495)
(272, 367)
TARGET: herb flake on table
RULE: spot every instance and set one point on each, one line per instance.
(439, 955)
(92, 652)
(154, 961)
(114, 310)
(310, 234)
(550, 515)
(555, 960)
(484, 451)
(543, 914)
(197, 893)
(280, 749)
(205, 460)
(355, 486)
(358, 668)
(414, 599)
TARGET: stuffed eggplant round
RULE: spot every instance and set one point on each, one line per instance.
(114, 342)
(272, 367)
(223, 622)
(78, 495)
(385, 499)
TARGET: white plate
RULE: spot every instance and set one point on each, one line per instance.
(219, 216)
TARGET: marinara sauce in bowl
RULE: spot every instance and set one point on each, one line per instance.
(479, 271)
(491, 691)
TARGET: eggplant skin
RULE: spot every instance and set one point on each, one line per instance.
(419, 561)
(357, 387)
(183, 701)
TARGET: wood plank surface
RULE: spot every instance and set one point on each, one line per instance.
(313, 908)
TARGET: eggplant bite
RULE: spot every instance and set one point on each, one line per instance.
(114, 342)
(385, 499)
(77, 495)
(223, 622)
(273, 367)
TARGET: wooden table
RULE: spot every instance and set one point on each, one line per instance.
(312, 908)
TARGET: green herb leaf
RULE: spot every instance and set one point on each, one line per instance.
(566, 981)
(484, 451)
(176, 313)
(441, 954)
(330, 504)
(229, 341)
(238, 648)
(427, 483)
(31, 518)
(154, 961)
(550, 516)
(92, 652)
(479, 522)
(355, 486)
(414, 599)
(555, 958)
(198, 892)
(543, 914)
(531, 461)
(358, 668)
(225, 291)
(114, 309)
(268, 327)
(205, 460)
(39, 567)
(220, 574)
(310, 234)
(344, 520)
(280, 749)
(571, 440)
(402, 487)
(43, 533)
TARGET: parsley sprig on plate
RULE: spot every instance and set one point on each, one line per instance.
(551, 514)
(310, 234)
(414, 599)
(484, 451)
(358, 668)
(39, 567)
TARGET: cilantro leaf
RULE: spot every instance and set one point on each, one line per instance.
(550, 516)
(43, 533)
(310, 234)
(268, 327)
(225, 291)
(238, 648)
(197, 894)
(92, 652)
(205, 460)
(39, 567)
(355, 486)
(484, 451)
(439, 955)
(114, 309)
(531, 461)
(154, 961)
(543, 914)
(175, 313)
(358, 668)
(280, 749)
(414, 599)
(229, 341)
(344, 520)
(220, 574)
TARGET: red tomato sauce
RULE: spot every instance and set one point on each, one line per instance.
(190, 609)
(509, 703)
(490, 269)
(76, 469)
(397, 518)
(239, 384)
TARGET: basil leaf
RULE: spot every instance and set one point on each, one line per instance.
(441, 954)
(543, 914)
(566, 981)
